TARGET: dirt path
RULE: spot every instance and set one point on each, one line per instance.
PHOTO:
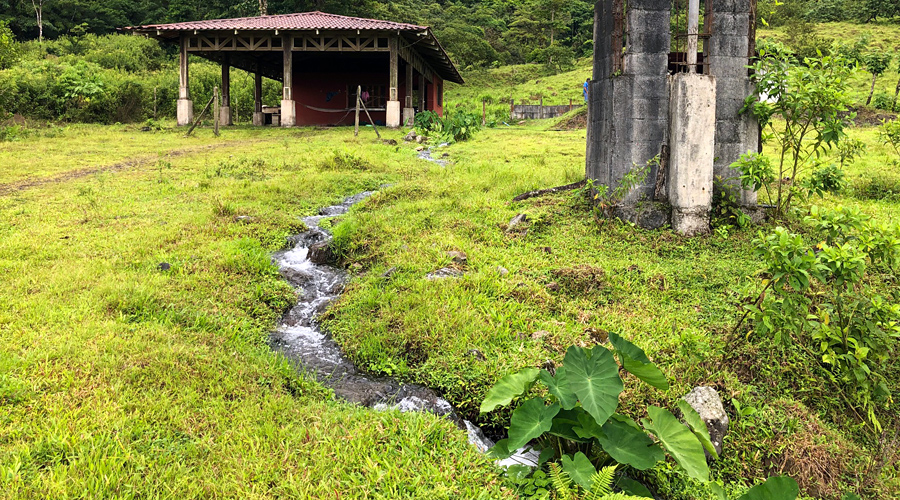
(139, 161)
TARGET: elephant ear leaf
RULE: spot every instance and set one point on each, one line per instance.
(594, 378)
(628, 444)
(559, 386)
(636, 362)
(508, 388)
(580, 469)
(698, 426)
(529, 421)
(775, 488)
(679, 441)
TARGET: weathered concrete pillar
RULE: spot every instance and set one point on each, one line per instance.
(288, 106)
(258, 119)
(732, 41)
(393, 105)
(225, 110)
(692, 130)
(422, 92)
(185, 109)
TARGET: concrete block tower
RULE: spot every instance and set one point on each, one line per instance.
(681, 106)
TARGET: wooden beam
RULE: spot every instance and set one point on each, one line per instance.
(421, 92)
(287, 91)
(226, 82)
(184, 91)
(408, 101)
(394, 72)
(257, 92)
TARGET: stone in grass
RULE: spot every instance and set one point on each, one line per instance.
(411, 136)
(164, 266)
(458, 257)
(502, 270)
(389, 142)
(390, 272)
(421, 139)
(553, 287)
(519, 219)
(706, 401)
(444, 272)
(320, 253)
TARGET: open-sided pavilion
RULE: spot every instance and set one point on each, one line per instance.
(321, 60)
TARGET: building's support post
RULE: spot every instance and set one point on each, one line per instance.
(288, 106)
(258, 118)
(692, 131)
(409, 113)
(185, 111)
(422, 91)
(225, 110)
(393, 105)
(693, 34)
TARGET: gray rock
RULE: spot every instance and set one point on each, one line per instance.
(458, 257)
(320, 253)
(390, 272)
(411, 136)
(164, 266)
(502, 270)
(475, 353)
(420, 139)
(444, 272)
(706, 401)
(519, 219)
(246, 219)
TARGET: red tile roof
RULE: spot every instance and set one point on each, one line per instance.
(300, 21)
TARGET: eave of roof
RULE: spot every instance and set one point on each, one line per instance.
(310, 21)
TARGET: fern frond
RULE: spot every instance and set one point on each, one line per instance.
(562, 483)
(601, 483)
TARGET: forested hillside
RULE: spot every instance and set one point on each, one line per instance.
(477, 33)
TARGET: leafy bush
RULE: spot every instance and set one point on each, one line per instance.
(9, 48)
(810, 98)
(828, 179)
(889, 135)
(825, 299)
(883, 100)
(458, 125)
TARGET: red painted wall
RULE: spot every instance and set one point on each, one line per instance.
(328, 90)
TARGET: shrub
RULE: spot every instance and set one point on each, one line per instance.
(9, 48)
(883, 100)
(826, 299)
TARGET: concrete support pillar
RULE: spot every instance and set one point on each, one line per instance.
(185, 109)
(288, 106)
(692, 131)
(225, 110)
(393, 106)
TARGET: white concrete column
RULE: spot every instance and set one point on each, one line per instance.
(692, 132)
(393, 105)
(288, 106)
(693, 34)
(185, 109)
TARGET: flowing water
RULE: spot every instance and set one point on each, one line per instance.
(301, 340)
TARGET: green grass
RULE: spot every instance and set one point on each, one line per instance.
(118, 380)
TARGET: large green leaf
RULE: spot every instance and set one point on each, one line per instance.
(594, 378)
(636, 362)
(508, 388)
(631, 487)
(500, 450)
(559, 386)
(580, 469)
(529, 421)
(698, 426)
(629, 444)
(775, 488)
(679, 441)
(565, 422)
(587, 427)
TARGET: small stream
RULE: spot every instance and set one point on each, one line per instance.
(301, 340)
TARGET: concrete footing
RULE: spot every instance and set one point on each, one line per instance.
(409, 116)
(225, 116)
(288, 113)
(185, 112)
(259, 119)
(393, 114)
(692, 132)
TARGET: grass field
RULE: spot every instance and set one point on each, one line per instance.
(121, 380)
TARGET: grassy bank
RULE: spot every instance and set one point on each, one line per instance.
(121, 380)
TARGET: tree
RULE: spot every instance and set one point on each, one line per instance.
(39, 16)
(876, 63)
(897, 91)
(9, 49)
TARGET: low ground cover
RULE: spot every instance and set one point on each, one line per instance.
(148, 382)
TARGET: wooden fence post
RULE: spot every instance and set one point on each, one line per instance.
(216, 111)
(483, 112)
(356, 126)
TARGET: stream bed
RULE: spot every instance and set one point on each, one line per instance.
(302, 341)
